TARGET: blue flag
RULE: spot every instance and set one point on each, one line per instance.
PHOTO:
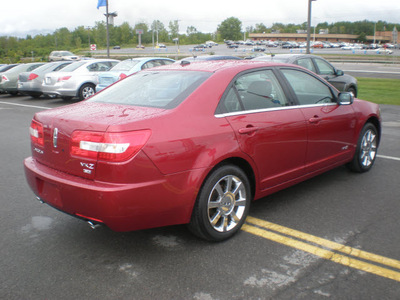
(101, 3)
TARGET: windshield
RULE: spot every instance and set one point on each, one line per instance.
(125, 65)
(161, 89)
(67, 53)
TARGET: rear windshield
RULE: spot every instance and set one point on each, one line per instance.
(125, 65)
(160, 89)
(73, 66)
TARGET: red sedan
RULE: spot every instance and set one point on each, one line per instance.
(195, 143)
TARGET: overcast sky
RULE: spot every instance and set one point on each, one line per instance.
(19, 17)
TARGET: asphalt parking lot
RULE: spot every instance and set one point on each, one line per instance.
(335, 236)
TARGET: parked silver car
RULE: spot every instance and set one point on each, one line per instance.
(78, 79)
(30, 83)
(128, 67)
(320, 66)
(9, 78)
(63, 55)
(5, 68)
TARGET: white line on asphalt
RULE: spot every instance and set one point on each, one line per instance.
(24, 105)
(389, 157)
(365, 71)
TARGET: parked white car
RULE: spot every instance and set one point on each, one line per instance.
(63, 55)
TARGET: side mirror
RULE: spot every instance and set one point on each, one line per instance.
(345, 98)
(339, 73)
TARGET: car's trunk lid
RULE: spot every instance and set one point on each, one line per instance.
(59, 125)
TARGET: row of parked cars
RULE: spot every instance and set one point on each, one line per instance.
(68, 78)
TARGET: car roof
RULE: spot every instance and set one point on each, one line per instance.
(211, 57)
(217, 65)
(148, 58)
(286, 57)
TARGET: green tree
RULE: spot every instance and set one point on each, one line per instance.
(230, 29)
(126, 33)
(100, 34)
(174, 28)
(261, 28)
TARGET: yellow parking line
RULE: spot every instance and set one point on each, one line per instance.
(324, 253)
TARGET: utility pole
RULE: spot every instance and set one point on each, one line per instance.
(108, 33)
(309, 26)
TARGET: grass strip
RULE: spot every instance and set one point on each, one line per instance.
(379, 90)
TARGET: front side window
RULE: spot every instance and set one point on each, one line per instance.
(308, 89)
(324, 67)
(254, 91)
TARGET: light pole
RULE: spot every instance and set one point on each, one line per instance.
(309, 26)
(88, 28)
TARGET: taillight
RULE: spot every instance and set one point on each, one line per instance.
(32, 76)
(122, 76)
(36, 132)
(108, 146)
(4, 78)
(63, 78)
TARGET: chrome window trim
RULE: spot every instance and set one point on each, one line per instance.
(255, 111)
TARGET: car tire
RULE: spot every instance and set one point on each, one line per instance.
(367, 146)
(352, 90)
(87, 90)
(35, 95)
(222, 204)
(66, 98)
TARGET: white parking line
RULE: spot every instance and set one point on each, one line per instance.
(24, 105)
(389, 157)
(366, 71)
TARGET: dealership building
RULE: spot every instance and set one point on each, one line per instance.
(380, 37)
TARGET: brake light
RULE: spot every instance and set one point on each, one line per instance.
(108, 146)
(4, 78)
(122, 76)
(36, 132)
(63, 78)
(32, 76)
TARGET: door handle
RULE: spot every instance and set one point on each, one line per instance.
(248, 130)
(314, 120)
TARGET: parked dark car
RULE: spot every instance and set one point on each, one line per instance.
(196, 143)
(320, 66)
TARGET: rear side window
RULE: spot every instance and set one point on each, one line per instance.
(308, 89)
(306, 63)
(254, 91)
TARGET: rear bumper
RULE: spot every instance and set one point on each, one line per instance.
(167, 200)
(28, 88)
(54, 90)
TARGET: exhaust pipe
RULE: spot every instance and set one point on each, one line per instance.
(93, 225)
(39, 199)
